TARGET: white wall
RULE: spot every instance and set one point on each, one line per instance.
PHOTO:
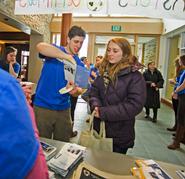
(163, 61)
(172, 24)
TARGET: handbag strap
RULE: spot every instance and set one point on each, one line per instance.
(91, 122)
(102, 129)
(102, 132)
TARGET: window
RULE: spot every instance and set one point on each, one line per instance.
(147, 49)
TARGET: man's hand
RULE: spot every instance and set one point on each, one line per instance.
(76, 91)
(68, 58)
(71, 59)
(74, 88)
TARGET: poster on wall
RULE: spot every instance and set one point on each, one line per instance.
(27, 7)
(149, 8)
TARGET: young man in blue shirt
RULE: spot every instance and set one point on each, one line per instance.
(52, 109)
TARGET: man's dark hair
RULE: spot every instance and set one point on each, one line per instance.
(76, 31)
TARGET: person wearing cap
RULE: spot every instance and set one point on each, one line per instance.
(52, 109)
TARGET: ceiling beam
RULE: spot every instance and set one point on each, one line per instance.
(14, 23)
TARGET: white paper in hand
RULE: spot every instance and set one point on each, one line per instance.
(74, 73)
(65, 90)
(69, 71)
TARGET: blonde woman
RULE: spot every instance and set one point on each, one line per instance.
(118, 95)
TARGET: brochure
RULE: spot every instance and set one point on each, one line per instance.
(181, 174)
(149, 169)
(78, 74)
(48, 150)
(68, 156)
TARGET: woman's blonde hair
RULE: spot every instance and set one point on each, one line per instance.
(126, 60)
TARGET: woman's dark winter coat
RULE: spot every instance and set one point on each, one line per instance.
(153, 96)
(119, 104)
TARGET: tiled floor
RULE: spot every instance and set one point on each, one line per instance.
(151, 138)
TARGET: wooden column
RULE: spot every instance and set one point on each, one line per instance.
(65, 26)
(91, 47)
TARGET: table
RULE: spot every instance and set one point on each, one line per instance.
(114, 162)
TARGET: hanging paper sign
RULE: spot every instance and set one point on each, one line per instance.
(149, 8)
(23, 7)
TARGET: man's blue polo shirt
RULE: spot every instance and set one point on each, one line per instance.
(52, 79)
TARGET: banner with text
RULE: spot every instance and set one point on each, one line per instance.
(25, 7)
(148, 8)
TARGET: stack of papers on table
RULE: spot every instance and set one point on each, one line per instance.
(48, 150)
(65, 160)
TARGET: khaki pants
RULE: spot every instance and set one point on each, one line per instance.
(56, 123)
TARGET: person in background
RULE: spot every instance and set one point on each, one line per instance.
(154, 81)
(21, 152)
(74, 100)
(87, 63)
(180, 91)
(136, 65)
(94, 71)
(117, 95)
(178, 70)
(83, 59)
(52, 109)
(9, 63)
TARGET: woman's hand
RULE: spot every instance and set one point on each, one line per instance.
(172, 81)
(153, 85)
(97, 113)
(174, 95)
(28, 92)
